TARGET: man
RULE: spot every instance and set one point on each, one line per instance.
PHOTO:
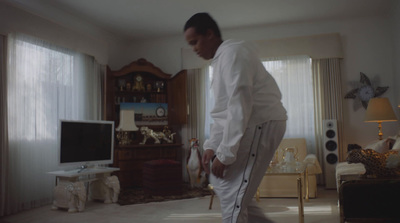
(249, 119)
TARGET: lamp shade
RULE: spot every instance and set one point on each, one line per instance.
(127, 120)
(379, 110)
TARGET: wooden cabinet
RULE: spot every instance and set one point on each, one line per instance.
(142, 82)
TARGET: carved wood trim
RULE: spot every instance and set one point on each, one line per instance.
(141, 65)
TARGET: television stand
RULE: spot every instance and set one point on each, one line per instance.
(70, 191)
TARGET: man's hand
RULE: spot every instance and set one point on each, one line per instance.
(218, 168)
(207, 156)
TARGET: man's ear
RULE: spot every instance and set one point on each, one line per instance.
(210, 34)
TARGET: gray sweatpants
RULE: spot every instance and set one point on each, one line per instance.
(242, 178)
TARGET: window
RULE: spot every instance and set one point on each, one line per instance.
(45, 83)
(294, 78)
(42, 75)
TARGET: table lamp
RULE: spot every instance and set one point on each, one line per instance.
(126, 125)
(380, 110)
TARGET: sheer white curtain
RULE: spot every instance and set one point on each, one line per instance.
(3, 126)
(209, 102)
(328, 98)
(196, 103)
(45, 83)
(293, 75)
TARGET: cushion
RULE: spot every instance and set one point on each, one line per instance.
(393, 161)
(344, 168)
(396, 145)
(380, 146)
(390, 142)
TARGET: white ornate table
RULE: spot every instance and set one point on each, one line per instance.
(70, 191)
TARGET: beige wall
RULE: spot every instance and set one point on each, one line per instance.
(85, 39)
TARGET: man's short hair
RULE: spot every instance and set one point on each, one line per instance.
(202, 22)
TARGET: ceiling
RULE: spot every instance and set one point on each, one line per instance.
(144, 19)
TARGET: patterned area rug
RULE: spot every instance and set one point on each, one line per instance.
(138, 196)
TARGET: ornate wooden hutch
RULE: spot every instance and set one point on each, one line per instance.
(142, 82)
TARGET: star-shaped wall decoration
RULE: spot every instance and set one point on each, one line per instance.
(365, 91)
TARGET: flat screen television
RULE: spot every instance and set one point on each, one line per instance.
(86, 143)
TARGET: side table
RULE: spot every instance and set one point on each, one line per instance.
(369, 199)
(301, 176)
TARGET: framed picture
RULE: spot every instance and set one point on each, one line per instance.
(148, 113)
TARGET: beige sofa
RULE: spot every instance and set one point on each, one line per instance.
(281, 185)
